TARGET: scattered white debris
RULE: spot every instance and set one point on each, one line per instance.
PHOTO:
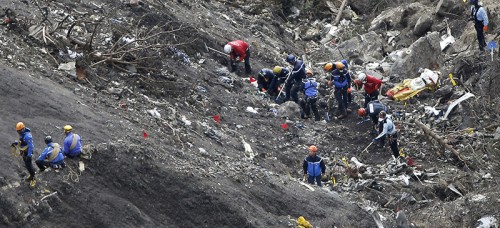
(455, 103)
(186, 121)
(446, 40)
(487, 176)
(478, 198)
(128, 40)
(154, 113)
(202, 150)
(452, 187)
(487, 222)
(251, 110)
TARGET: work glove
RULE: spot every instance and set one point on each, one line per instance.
(349, 90)
(485, 28)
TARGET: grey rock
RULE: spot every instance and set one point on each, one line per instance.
(289, 109)
(407, 67)
(423, 25)
(497, 133)
(444, 91)
(448, 8)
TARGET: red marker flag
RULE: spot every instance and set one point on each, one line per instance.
(144, 134)
(284, 126)
(217, 118)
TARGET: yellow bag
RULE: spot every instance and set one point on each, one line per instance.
(303, 223)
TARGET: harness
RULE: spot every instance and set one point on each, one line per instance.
(56, 149)
(73, 143)
(474, 15)
(310, 86)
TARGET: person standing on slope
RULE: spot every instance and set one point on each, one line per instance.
(238, 51)
(26, 148)
(480, 18)
(314, 166)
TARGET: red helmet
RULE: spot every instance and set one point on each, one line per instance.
(361, 112)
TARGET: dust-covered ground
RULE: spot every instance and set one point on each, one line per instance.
(244, 171)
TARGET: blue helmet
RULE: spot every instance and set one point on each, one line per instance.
(473, 2)
(290, 58)
(343, 61)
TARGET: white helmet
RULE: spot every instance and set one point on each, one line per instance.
(227, 48)
(362, 77)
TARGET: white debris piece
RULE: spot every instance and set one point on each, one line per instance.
(455, 103)
(251, 110)
(186, 121)
(154, 113)
(446, 40)
(487, 222)
(478, 198)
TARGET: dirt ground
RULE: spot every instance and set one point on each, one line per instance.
(191, 171)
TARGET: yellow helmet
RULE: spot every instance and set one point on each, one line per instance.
(328, 67)
(339, 65)
(68, 128)
(19, 126)
(277, 70)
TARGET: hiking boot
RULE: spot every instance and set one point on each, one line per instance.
(341, 116)
(29, 179)
(348, 110)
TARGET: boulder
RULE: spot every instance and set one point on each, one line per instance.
(367, 47)
(448, 8)
(428, 46)
(387, 19)
(289, 109)
(423, 24)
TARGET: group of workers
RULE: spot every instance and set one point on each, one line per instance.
(298, 78)
(53, 155)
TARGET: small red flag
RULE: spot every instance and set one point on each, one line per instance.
(217, 118)
(144, 134)
(252, 79)
(284, 126)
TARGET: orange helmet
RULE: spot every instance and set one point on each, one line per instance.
(328, 67)
(339, 65)
(19, 126)
(313, 148)
(309, 72)
(361, 112)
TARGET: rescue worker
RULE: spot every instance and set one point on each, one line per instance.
(238, 51)
(295, 79)
(281, 74)
(372, 110)
(264, 81)
(339, 81)
(314, 166)
(480, 18)
(349, 81)
(26, 148)
(310, 89)
(371, 86)
(72, 143)
(388, 130)
(52, 156)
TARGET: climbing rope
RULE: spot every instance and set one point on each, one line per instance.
(72, 175)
